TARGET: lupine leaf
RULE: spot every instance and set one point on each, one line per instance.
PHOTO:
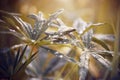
(91, 26)
(100, 42)
(62, 56)
(102, 60)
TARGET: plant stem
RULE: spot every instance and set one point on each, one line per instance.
(115, 61)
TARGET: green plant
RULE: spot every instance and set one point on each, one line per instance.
(80, 36)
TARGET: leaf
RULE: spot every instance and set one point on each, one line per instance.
(84, 60)
(20, 59)
(55, 14)
(13, 33)
(6, 15)
(100, 42)
(91, 26)
(103, 61)
(80, 25)
(22, 55)
(17, 58)
(3, 24)
(107, 37)
(28, 61)
(25, 26)
(50, 20)
(62, 56)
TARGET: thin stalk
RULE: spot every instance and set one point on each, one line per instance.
(33, 46)
(74, 66)
(115, 61)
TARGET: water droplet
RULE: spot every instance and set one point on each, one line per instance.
(61, 56)
(65, 42)
(49, 36)
(34, 32)
(12, 30)
(51, 42)
(61, 34)
(56, 53)
(33, 41)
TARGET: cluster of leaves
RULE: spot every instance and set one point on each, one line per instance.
(11, 63)
(79, 35)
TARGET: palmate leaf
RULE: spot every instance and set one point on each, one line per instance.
(100, 42)
(11, 22)
(50, 20)
(27, 28)
(85, 31)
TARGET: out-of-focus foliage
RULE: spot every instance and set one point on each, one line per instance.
(13, 63)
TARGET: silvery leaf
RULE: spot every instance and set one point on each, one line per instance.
(80, 26)
(25, 26)
(13, 33)
(62, 56)
(102, 60)
(55, 15)
(108, 37)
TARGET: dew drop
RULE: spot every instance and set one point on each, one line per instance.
(56, 53)
(33, 41)
(61, 34)
(51, 42)
(65, 42)
(61, 56)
